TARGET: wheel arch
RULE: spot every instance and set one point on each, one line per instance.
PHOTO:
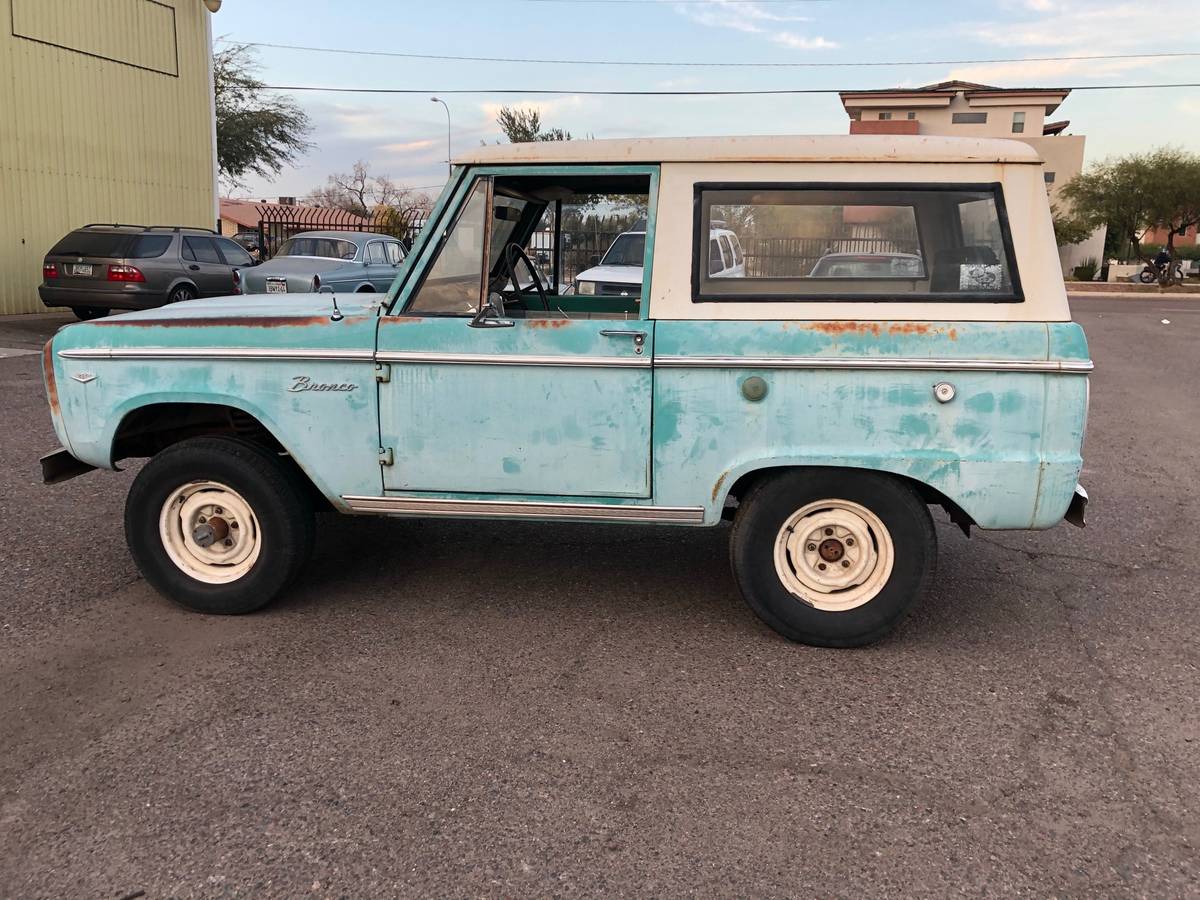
(737, 483)
(146, 428)
(180, 281)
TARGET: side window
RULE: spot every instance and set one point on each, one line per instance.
(375, 254)
(862, 242)
(737, 250)
(394, 252)
(187, 252)
(715, 263)
(150, 246)
(727, 252)
(202, 250)
(234, 255)
(454, 282)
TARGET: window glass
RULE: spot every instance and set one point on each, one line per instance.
(714, 257)
(884, 116)
(395, 253)
(150, 246)
(202, 250)
(870, 243)
(455, 279)
(327, 248)
(93, 243)
(727, 251)
(375, 254)
(912, 115)
(1018, 126)
(737, 249)
(969, 118)
(627, 250)
(233, 253)
(1048, 177)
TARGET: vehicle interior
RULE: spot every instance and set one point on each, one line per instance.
(519, 241)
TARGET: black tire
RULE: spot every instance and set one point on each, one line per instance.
(181, 294)
(271, 488)
(1147, 277)
(760, 519)
(86, 313)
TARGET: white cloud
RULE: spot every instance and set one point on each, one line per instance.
(753, 18)
(800, 42)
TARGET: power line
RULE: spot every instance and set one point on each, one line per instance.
(674, 2)
(721, 65)
(729, 93)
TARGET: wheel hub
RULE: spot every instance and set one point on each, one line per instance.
(834, 555)
(210, 532)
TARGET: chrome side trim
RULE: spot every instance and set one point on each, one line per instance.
(591, 512)
(235, 353)
(512, 359)
(1073, 367)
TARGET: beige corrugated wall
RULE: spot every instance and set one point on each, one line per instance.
(105, 116)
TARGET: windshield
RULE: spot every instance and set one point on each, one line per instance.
(627, 250)
(329, 248)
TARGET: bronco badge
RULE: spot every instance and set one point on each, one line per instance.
(301, 383)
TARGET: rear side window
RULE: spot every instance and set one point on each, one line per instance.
(395, 253)
(150, 246)
(108, 244)
(201, 249)
(861, 242)
(375, 254)
(234, 254)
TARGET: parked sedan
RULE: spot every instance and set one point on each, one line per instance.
(347, 261)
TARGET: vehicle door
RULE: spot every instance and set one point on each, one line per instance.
(204, 265)
(377, 270)
(478, 402)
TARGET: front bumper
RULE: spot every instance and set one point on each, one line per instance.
(1077, 508)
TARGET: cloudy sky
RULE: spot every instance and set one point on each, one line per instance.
(405, 135)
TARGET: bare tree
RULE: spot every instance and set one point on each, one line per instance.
(364, 194)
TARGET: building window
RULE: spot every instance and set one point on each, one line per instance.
(969, 118)
(911, 114)
(884, 116)
(1049, 177)
(1018, 123)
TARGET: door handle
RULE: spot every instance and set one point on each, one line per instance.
(639, 337)
(194, 267)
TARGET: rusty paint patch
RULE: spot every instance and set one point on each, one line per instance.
(717, 487)
(836, 328)
(403, 320)
(909, 328)
(51, 384)
(225, 322)
(547, 323)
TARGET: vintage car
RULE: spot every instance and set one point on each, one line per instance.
(821, 416)
(350, 261)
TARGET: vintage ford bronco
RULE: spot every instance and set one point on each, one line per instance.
(822, 408)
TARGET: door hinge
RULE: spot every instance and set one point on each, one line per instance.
(386, 456)
(383, 372)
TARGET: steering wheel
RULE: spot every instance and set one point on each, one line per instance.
(512, 253)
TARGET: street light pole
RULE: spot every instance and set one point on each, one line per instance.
(447, 108)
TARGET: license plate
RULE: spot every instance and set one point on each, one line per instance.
(276, 287)
(81, 270)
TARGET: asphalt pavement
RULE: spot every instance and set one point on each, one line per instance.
(457, 709)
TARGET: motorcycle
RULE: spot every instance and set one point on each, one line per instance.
(1151, 274)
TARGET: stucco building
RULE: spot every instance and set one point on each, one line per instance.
(108, 117)
(967, 109)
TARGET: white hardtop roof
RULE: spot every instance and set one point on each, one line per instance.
(766, 148)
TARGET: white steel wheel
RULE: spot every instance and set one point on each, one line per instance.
(210, 532)
(834, 555)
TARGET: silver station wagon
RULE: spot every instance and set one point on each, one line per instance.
(895, 336)
(350, 261)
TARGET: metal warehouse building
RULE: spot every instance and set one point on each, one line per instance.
(107, 112)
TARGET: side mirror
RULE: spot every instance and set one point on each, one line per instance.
(489, 317)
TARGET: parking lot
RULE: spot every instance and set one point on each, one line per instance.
(447, 708)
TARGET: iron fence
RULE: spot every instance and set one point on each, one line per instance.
(277, 224)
